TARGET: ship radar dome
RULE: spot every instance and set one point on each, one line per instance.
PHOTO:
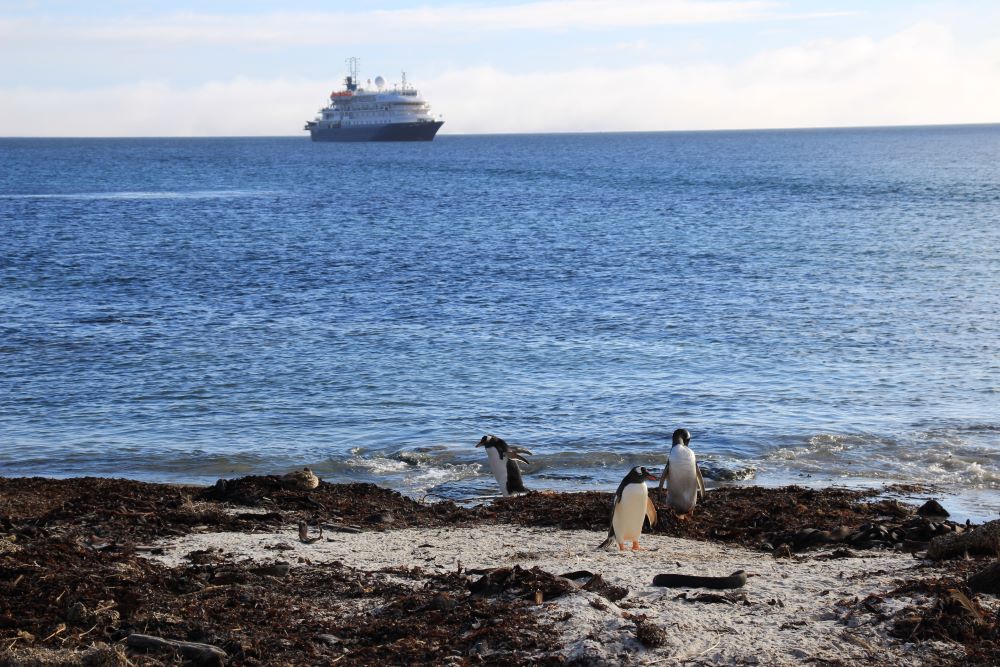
(379, 82)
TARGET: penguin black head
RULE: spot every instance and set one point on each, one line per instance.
(682, 437)
(638, 474)
(492, 441)
(502, 448)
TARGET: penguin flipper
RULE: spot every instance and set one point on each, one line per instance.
(663, 476)
(650, 512)
(701, 481)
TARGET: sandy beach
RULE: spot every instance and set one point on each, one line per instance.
(791, 610)
(355, 574)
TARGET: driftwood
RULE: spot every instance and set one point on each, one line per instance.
(984, 540)
(737, 579)
(199, 654)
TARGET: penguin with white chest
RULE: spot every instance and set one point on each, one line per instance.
(682, 476)
(503, 460)
(632, 506)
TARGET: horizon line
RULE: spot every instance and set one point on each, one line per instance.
(557, 133)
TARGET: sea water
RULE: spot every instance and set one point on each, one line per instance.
(815, 306)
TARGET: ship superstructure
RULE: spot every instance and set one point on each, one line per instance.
(382, 114)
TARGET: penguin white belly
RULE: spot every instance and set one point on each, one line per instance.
(629, 513)
(499, 468)
(682, 480)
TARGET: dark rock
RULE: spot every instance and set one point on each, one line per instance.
(839, 534)
(987, 580)
(724, 471)
(919, 530)
(808, 537)
(932, 508)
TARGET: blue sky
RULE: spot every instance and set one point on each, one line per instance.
(144, 68)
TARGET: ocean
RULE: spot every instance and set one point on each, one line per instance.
(816, 306)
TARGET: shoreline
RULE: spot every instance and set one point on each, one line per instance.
(835, 576)
(973, 503)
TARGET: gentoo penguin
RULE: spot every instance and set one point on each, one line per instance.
(632, 505)
(682, 475)
(503, 458)
(300, 480)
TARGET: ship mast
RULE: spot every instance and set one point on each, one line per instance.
(353, 65)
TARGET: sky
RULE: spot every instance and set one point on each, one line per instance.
(263, 67)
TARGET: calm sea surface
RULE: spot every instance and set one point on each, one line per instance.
(814, 306)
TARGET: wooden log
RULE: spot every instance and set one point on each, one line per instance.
(983, 540)
(737, 579)
(198, 653)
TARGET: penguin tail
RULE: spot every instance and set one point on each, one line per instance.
(606, 543)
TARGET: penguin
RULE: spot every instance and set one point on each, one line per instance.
(503, 463)
(632, 505)
(300, 480)
(683, 476)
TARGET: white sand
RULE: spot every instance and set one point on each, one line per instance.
(792, 615)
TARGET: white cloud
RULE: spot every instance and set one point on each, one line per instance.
(920, 75)
(300, 28)
(242, 107)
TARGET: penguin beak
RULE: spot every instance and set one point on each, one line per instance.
(651, 476)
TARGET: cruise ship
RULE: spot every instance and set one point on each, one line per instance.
(382, 114)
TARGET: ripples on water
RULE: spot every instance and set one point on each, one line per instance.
(816, 306)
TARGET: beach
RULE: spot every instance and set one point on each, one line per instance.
(250, 572)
